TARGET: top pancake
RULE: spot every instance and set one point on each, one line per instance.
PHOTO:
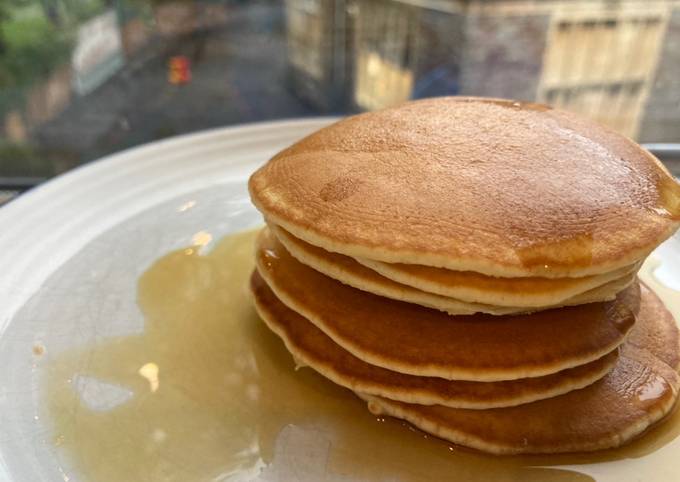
(501, 188)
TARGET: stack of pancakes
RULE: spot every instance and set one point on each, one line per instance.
(469, 265)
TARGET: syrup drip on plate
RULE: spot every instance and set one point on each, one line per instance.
(207, 393)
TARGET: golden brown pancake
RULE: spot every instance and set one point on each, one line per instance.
(661, 337)
(349, 271)
(311, 347)
(640, 390)
(415, 340)
(497, 187)
(530, 292)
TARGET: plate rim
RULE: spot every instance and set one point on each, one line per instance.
(108, 161)
(59, 208)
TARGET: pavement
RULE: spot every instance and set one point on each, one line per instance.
(238, 75)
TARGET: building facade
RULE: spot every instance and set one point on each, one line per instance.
(617, 62)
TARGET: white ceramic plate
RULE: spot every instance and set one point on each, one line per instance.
(135, 197)
(72, 250)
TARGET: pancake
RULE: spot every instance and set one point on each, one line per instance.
(350, 272)
(411, 339)
(311, 347)
(662, 337)
(473, 287)
(497, 187)
(640, 390)
(605, 292)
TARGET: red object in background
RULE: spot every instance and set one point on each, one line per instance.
(179, 70)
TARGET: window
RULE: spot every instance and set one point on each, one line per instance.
(601, 63)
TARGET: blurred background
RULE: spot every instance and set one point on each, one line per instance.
(80, 79)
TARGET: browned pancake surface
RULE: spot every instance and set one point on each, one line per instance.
(312, 347)
(661, 337)
(497, 187)
(603, 415)
(411, 339)
(639, 391)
